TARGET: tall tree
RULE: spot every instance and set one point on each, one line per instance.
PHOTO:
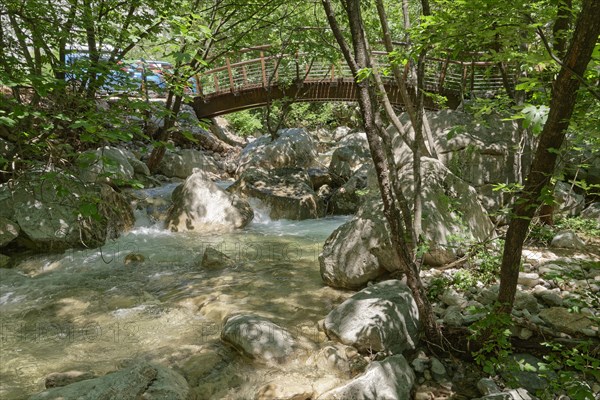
(359, 59)
(564, 97)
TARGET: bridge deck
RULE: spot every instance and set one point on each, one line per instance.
(253, 83)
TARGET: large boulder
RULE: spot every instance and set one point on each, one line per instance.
(479, 150)
(293, 148)
(390, 379)
(563, 320)
(592, 212)
(453, 217)
(348, 198)
(567, 201)
(110, 165)
(567, 240)
(141, 381)
(199, 204)
(184, 163)
(56, 211)
(286, 192)
(258, 338)
(357, 252)
(346, 160)
(382, 317)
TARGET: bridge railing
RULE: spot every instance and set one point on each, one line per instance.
(441, 75)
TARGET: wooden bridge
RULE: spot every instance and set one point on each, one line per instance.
(254, 83)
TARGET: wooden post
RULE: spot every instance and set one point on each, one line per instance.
(245, 75)
(472, 77)
(231, 84)
(443, 74)
(406, 69)
(276, 70)
(198, 85)
(332, 72)
(216, 81)
(463, 83)
(264, 72)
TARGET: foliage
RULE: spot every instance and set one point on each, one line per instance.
(246, 123)
(485, 266)
(493, 333)
(311, 116)
(436, 287)
(542, 234)
(574, 368)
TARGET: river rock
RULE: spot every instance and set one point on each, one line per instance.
(199, 204)
(9, 231)
(526, 301)
(185, 162)
(293, 148)
(528, 373)
(286, 192)
(107, 164)
(295, 387)
(60, 379)
(453, 316)
(567, 201)
(390, 379)
(357, 252)
(592, 212)
(451, 297)
(382, 317)
(339, 359)
(548, 297)
(214, 259)
(476, 150)
(568, 240)
(318, 177)
(258, 338)
(346, 160)
(48, 209)
(453, 217)
(144, 380)
(487, 386)
(341, 132)
(4, 260)
(355, 192)
(561, 319)
(512, 394)
(529, 279)
(438, 370)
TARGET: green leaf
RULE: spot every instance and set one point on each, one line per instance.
(535, 117)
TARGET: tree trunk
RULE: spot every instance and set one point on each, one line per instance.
(564, 96)
(368, 104)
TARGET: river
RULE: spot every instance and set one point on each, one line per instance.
(90, 310)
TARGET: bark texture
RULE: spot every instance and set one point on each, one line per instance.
(564, 96)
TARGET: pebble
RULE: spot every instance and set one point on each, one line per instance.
(525, 334)
(528, 279)
(589, 332)
(453, 317)
(427, 375)
(451, 297)
(438, 370)
(487, 386)
(550, 298)
(420, 364)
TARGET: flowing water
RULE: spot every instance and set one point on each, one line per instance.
(92, 310)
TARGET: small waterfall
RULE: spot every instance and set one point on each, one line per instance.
(261, 212)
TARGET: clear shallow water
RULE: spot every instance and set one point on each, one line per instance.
(90, 310)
